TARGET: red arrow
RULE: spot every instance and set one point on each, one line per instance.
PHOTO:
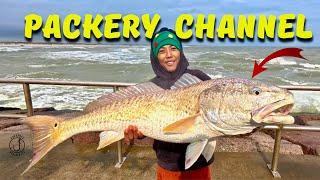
(293, 52)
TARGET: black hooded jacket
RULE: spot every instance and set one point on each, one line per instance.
(171, 156)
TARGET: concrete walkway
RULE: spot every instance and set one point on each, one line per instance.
(80, 161)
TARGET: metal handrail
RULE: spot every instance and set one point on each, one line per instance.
(301, 88)
(119, 84)
(293, 128)
(58, 82)
(115, 85)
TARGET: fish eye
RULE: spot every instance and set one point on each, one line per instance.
(256, 90)
(55, 125)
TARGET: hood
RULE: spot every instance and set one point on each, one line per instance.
(164, 78)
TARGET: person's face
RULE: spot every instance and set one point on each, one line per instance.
(169, 57)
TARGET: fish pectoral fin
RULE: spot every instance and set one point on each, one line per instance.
(194, 151)
(181, 126)
(209, 150)
(109, 137)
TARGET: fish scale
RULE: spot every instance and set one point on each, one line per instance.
(159, 109)
(193, 114)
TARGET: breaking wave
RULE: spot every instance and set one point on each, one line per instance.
(312, 66)
(122, 56)
(12, 49)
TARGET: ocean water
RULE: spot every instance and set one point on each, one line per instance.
(130, 63)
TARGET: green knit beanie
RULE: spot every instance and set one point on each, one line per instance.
(164, 38)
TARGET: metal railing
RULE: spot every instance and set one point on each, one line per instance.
(116, 85)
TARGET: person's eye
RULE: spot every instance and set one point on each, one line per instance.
(161, 51)
(173, 48)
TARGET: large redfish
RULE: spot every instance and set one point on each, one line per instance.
(187, 113)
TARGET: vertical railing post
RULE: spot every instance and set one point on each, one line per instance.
(27, 97)
(276, 151)
(121, 159)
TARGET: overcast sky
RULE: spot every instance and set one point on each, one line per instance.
(12, 13)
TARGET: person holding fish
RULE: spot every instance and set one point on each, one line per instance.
(169, 64)
(181, 109)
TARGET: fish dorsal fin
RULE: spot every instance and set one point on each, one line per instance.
(129, 92)
(109, 137)
(139, 89)
(209, 150)
(181, 126)
(194, 151)
(185, 80)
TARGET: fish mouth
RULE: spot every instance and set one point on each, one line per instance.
(276, 112)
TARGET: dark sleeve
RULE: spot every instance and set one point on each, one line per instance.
(199, 74)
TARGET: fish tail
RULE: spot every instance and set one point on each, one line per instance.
(46, 135)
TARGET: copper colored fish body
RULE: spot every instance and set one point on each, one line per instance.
(193, 114)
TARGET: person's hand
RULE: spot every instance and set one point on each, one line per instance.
(131, 133)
